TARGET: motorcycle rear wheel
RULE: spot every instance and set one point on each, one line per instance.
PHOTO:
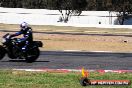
(32, 55)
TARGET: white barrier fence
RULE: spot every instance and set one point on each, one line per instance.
(50, 17)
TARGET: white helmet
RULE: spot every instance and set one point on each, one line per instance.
(24, 25)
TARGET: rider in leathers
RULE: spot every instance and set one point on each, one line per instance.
(27, 35)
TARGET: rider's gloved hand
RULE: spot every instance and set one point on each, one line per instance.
(9, 36)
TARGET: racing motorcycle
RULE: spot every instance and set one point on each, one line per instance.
(13, 49)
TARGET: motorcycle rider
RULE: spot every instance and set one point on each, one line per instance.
(27, 35)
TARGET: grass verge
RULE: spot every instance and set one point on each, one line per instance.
(22, 79)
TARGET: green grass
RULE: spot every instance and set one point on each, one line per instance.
(21, 79)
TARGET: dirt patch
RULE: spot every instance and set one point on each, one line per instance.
(80, 42)
(85, 42)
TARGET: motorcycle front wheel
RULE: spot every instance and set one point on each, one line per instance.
(32, 55)
(2, 52)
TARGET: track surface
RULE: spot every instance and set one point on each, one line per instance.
(73, 60)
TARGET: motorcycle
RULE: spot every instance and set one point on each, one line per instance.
(13, 49)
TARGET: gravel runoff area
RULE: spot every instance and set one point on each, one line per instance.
(115, 40)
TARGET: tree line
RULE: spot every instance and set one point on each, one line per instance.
(124, 7)
(97, 5)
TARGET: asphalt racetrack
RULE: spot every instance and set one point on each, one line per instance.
(73, 60)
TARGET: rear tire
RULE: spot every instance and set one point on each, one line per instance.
(32, 55)
(2, 52)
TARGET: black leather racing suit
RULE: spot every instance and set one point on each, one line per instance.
(27, 37)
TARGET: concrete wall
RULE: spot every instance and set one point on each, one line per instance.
(43, 16)
(50, 17)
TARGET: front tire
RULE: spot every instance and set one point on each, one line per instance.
(2, 52)
(32, 55)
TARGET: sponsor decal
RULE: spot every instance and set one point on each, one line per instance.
(84, 81)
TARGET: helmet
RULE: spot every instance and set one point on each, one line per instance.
(23, 25)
